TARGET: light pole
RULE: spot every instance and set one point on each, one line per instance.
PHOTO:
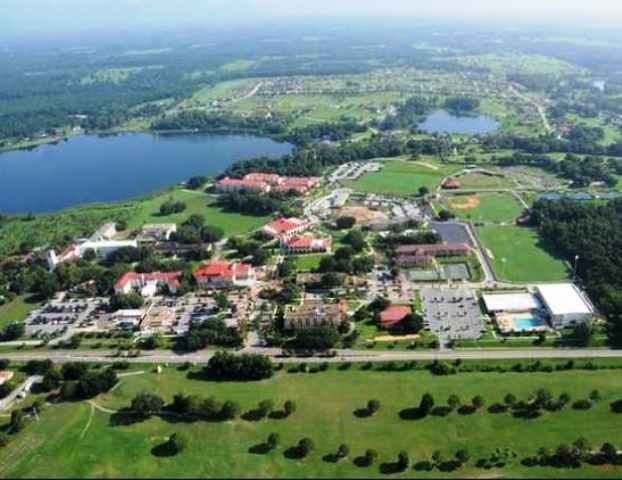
(574, 270)
(503, 260)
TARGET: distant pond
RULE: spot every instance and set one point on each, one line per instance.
(445, 122)
(92, 168)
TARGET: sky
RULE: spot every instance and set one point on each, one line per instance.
(27, 17)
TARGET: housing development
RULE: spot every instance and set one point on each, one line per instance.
(397, 259)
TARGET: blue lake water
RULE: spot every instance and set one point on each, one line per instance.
(444, 122)
(91, 168)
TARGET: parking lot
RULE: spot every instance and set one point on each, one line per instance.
(63, 314)
(452, 313)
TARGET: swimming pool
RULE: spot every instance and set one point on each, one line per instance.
(527, 323)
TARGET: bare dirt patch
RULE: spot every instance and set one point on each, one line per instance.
(362, 215)
(464, 203)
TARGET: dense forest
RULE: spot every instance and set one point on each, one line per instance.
(595, 234)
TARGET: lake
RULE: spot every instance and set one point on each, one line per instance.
(92, 168)
(444, 122)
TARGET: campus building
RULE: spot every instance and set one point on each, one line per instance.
(307, 244)
(566, 304)
(148, 283)
(267, 182)
(314, 313)
(393, 315)
(222, 274)
(156, 232)
(283, 228)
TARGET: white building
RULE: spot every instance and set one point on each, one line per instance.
(510, 302)
(106, 247)
(565, 303)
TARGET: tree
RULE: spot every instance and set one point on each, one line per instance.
(51, 380)
(423, 191)
(265, 408)
(194, 183)
(273, 440)
(147, 404)
(509, 400)
(453, 402)
(4, 439)
(373, 406)
(344, 223)
(445, 215)
(13, 331)
(478, 402)
(426, 404)
(305, 447)
(212, 234)
(289, 407)
(343, 451)
(402, 460)
(462, 456)
(595, 396)
(230, 410)
(17, 421)
(177, 443)
(370, 457)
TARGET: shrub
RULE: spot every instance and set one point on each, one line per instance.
(177, 443)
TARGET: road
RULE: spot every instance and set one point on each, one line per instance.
(342, 355)
(539, 108)
(7, 401)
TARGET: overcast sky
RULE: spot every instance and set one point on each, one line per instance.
(29, 16)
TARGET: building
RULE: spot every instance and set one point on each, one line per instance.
(436, 250)
(510, 302)
(222, 274)
(105, 248)
(102, 248)
(451, 183)
(127, 319)
(393, 315)
(267, 182)
(414, 260)
(5, 376)
(284, 227)
(158, 319)
(156, 232)
(236, 185)
(314, 313)
(306, 244)
(148, 283)
(565, 303)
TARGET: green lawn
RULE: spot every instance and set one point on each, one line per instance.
(37, 230)
(196, 203)
(402, 177)
(76, 441)
(17, 309)
(525, 261)
(306, 263)
(493, 207)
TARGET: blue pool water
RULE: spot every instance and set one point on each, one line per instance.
(527, 323)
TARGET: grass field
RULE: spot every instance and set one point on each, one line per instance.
(147, 211)
(525, 261)
(306, 263)
(78, 441)
(402, 177)
(17, 309)
(485, 207)
(83, 221)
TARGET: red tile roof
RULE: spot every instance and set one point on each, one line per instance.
(283, 225)
(394, 314)
(173, 279)
(431, 249)
(452, 183)
(221, 269)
